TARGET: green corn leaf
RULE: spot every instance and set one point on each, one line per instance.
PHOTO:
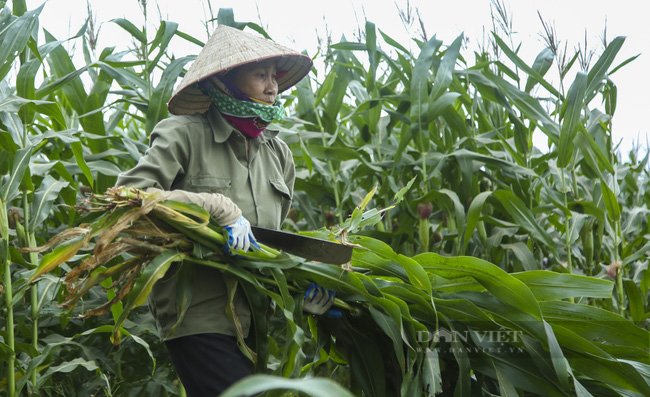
(21, 161)
(595, 324)
(306, 102)
(465, 311)
(441, 104)
(10, 103)
(373, 55)
(576, 223)
(547, 285)
(574, 104)
(528, 105)
(638, 254)
(67, 75)
(463, 386)
(431, 373)
(494, 161)
(607, 371)
(59, 255)
(125, 77)
(390, 41)
(560, 364)
(5, 351)
(591, 152)
(44, 198)
(184, 289)
(77, 149)
(165, 33)
(391, 324)
(25, 84)
(524, 217)
(445, 73)
(502, 285)
(157, 108)
(349, 46)
(341, 77)
(473, 216)
(190, 38)
(506, 388)
(420, 91)
(416, 274)
(131, 29)
(541, 65)
(68, 78)
(14, 37)
(259, 306)
(66, 367)
(611, 202)
(523, 253)
(599, 70)
(532, 72)
(379, 265)
(15, 126)
(635, 301)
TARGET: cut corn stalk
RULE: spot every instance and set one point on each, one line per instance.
(155, 232)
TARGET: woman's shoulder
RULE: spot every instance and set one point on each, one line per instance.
(183, 120)
(182, 124)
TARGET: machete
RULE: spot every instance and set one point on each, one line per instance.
(313, 249)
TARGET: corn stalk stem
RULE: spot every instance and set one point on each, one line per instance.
(30, 242)
(619, 273)
(567, 225)
(9, 323)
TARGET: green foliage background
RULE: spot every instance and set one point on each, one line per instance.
(553, 243)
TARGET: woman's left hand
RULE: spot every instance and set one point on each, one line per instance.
(318, 300)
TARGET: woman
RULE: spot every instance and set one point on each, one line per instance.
(217, 152)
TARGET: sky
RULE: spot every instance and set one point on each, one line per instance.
(300, 24)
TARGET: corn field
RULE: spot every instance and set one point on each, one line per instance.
(482, 265)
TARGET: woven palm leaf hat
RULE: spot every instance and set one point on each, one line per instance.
(227, 49)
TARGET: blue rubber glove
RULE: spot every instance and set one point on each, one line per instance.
(240, 236)
(319, 300)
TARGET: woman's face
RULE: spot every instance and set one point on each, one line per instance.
(258, 80)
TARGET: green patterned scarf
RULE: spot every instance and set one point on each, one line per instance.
(245, 109)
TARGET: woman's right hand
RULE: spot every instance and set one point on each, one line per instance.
(240, 236)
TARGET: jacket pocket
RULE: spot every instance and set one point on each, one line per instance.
(209, 184)
(281, 188)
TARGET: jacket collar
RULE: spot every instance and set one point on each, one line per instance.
(221, 129)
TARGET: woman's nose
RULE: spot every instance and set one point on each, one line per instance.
(271, 86)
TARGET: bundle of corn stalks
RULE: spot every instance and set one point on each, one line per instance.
(134, 241)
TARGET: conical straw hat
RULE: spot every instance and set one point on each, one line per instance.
(226, 49)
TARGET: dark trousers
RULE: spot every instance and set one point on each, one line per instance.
(207, 364)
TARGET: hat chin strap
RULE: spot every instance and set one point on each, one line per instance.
(260, 101)
(227, 87)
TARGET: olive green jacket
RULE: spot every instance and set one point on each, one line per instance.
(203, 153)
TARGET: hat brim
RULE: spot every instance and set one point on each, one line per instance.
(227, 49)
